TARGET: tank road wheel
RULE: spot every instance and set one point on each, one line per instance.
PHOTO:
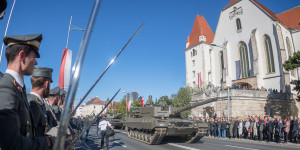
(147, 137)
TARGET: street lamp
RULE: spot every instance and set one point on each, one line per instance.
(228, 80)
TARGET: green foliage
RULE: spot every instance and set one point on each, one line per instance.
(182, 98)
(292, 63)
(136, 103)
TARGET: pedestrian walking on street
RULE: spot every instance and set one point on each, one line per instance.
(104, 126)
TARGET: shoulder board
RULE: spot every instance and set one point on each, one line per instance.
(38, 101)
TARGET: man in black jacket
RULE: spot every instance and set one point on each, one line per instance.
(235, 128)
(295, 129)
(270, 126)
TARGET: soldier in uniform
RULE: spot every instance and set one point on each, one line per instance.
(15, 115)
(149, 101)
(40, 80)
(163, 104)
(55, 92)
(52, 101)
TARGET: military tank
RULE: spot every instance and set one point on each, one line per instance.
(115, 120)
(152, 124)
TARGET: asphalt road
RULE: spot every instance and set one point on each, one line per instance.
(122, 142)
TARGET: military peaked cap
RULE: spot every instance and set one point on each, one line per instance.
(42, 72)
(55, 91)
(33, 40)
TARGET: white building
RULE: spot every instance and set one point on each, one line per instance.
(94, 106)
(251, 42)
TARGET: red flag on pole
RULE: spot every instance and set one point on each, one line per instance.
(128, 105)
(65, 69)
(142, 101)
(199, 80)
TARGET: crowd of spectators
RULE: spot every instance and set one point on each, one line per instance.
(267, 129)
(245, 87)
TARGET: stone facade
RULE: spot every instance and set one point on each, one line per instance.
(247, 103)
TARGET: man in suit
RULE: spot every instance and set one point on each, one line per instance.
(15, 115)
(40, 80)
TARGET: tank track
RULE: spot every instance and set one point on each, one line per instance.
(200, 134)
(148, 138)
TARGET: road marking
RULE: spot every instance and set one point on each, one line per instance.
(241, 147)
(184, 147)
(120, 144)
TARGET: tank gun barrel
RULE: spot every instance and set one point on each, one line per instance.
(193, 105)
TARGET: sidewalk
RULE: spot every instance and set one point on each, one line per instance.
(289, 144)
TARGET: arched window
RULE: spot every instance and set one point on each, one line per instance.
(221, 61)
(245, 71)
(290, 52)
(269, 54)
(238, 24)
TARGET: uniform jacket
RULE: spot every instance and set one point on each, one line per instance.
(40, 120)
(52, 121)
(57, 111)
(16, 119)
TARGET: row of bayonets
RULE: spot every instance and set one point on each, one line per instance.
(67, 111)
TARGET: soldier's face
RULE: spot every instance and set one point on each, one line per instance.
(28, 63)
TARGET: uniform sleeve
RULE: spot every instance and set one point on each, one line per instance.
(36, 113)
(10, 137)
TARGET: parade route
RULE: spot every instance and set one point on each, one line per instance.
(121, 142)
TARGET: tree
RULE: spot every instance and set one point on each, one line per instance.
(292, 63)
(182, 98)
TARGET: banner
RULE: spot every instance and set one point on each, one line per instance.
(128, 105)
(142, 101)
(65, 69)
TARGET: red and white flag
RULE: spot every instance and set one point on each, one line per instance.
(128, 105)
(142, 101)
(199, 80)
(65, 69)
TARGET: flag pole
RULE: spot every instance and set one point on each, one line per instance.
(69, 32)
(12, 8)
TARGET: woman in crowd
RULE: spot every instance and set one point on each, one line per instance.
(286, 126)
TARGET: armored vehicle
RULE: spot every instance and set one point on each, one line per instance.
(152, 124)
(115, 120)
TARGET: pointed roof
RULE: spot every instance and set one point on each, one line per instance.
(232, 2)
(200, 27)
(291, 18)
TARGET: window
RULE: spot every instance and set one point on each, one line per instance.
(238, 25)
(269, 54)
(245, 71)
(221, 60)
(193, 61)
(194, 75)
(194, 53)
(290, 52)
